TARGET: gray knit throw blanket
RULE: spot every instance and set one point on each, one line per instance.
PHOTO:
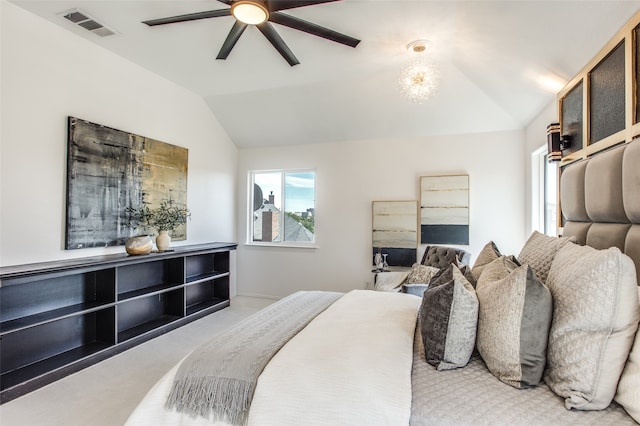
(217, 380)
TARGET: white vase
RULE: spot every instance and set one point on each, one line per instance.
(140, 244)
(163, 241)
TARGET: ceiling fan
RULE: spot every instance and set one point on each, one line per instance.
(261, 13)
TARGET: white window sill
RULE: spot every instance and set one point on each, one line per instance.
(283, 245)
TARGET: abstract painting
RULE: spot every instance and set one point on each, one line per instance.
(109, 170)
(395, 231)
(444, 209)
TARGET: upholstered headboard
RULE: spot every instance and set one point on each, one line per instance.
(442, 256)
(600, 200)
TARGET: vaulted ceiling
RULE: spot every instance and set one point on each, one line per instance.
(494, 59)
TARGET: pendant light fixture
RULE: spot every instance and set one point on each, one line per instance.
(420, 79)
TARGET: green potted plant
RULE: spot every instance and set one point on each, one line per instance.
(165, 218)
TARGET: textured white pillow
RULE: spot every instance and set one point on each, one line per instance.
(539, 252)
(421, 274)
(595, 317)
(628, 394)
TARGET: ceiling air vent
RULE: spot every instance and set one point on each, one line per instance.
(81, 18)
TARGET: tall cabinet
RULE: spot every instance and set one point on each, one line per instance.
(59, 317)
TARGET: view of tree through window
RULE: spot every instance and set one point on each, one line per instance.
(283, 206)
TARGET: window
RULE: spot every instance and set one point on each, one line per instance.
(545, 193)
(282, 207)
(550, 197)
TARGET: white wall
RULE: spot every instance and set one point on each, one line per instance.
(49, 73)
(349, 176)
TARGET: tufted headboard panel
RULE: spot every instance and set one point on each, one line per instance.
(600, 199)
(442, 256)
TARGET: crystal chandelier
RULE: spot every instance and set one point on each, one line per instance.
(419, 80)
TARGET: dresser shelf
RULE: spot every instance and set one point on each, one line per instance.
(59, 317)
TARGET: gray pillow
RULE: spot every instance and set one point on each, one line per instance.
(415, 289)
(595, 317)
(488, 254)
(539, 251)
(513, 325)
(448, 319)
(446, 275)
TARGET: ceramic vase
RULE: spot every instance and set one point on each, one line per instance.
(140, 244)
(163, 241)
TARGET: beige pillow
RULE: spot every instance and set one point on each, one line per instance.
(421, 274)
(513, 326)
(628, 394)
(497, 270)
(539, 251)
(595, 317)
(488, 254)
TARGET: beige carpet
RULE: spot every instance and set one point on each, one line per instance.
(107, 392)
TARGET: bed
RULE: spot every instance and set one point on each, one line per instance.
(553, 340)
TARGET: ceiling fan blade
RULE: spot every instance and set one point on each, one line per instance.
(275, 5)
(231, 40)
(189, 17)
(272, 35)
(225, 1)
(308, 27)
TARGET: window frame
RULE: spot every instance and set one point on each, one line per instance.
(283, 173)
(539, 196)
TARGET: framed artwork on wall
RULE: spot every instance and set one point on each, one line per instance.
(444, 209)
(109, 170)
(395, 231)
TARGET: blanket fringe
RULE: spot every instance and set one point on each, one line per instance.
(218, 399)
(218, 380)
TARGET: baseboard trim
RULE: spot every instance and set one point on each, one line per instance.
(261, 296)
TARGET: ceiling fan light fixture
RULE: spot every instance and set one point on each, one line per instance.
(250, 12)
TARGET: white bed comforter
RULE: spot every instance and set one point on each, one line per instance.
(350, 366)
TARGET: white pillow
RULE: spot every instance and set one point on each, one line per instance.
(389, 281)
(628, 394)
(539, 252)
(595, 317)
